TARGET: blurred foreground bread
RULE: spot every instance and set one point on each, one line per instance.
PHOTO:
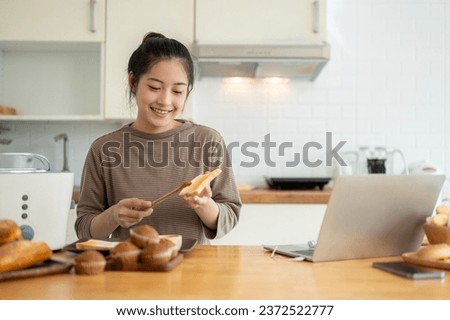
(199, 183)
(9, 231)
(21, 254)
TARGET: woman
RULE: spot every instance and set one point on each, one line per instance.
(127, 168)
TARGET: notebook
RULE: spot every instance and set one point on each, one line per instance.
(371, 216)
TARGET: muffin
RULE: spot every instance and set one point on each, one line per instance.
(124, 254)
(90, 262)
(155, 254)
(143, 235)
(169, 244)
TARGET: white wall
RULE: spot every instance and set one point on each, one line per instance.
(387, 83)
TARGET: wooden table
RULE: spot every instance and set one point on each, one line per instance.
(234, 272)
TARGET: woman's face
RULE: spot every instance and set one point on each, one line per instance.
(160, 96)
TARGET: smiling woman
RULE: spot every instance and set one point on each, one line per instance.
(118, 178)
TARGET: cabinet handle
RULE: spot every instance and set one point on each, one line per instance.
(92, 15)
(316, 27)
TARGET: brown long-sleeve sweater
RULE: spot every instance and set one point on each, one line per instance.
(132, 164)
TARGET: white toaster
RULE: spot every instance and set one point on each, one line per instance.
(39, 202)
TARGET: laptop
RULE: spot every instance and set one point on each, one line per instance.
(371, 216)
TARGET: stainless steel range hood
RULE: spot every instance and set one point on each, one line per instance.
(303, 61)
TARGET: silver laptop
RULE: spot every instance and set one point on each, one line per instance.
(371, 216)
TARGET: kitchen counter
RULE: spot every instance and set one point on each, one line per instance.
(274, 196)
(285, 196)
(234, 272)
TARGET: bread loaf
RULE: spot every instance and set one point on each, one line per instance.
(199, 183)
(21, 254)
(9, 231)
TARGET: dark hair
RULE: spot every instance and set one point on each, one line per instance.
(154, 48)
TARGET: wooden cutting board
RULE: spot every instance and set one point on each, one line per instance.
(45, 268)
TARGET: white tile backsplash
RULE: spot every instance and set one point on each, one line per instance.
(387, 84)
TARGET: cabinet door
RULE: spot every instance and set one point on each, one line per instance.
(52, 20)
(127, 23)
(260, 21)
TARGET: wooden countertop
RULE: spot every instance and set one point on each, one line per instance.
(234, 272)
(285, 196)
(274, 196)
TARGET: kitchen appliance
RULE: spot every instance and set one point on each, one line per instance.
(373, 161)
(294, 183)
(424, 167)
(37, 199)
(302, 60)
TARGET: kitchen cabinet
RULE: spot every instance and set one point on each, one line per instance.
(260, 21)
(127, 23)
(52, 20)
(51, 55)
(275, 224)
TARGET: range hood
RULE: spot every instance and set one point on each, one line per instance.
(304, 61)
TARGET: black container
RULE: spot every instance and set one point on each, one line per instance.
(293, 183)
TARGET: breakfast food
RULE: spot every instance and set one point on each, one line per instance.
(169, 244)
(155, 254)
(439, 251)
(90, 262)
(6, 110)
(9, 231)
(199, 183)
(144, 235)
(95, 245)
(125, 253)
(443, 209)
(20, 254)
(440, 219)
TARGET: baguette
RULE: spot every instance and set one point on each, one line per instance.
(199, 183)
(9, 231)
(21, 254)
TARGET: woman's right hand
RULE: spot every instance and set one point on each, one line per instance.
(130, 211)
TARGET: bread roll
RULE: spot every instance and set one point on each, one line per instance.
(443, 209)
(434, 252)
(199, 183)
(9, 231)
(440, 219)
(21, 254)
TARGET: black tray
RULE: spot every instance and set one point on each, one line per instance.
(293, 183)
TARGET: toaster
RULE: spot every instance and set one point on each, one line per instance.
(38, 201)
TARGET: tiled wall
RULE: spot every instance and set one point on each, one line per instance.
(387, 84)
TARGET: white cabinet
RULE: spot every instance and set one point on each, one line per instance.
(260, 21)
(52, 20)
(275, 224)
(51, 55)
(127, 23)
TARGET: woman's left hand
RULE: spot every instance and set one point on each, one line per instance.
(197, 201)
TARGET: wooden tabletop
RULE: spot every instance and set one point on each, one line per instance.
(285, 196)
(234, 272)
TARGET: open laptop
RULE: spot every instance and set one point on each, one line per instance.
(371, 216)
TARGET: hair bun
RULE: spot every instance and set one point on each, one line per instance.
(153, 35)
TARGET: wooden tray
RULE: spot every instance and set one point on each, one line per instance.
(111, 266)
(411, 257)
(45, 268)
(186, 246)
